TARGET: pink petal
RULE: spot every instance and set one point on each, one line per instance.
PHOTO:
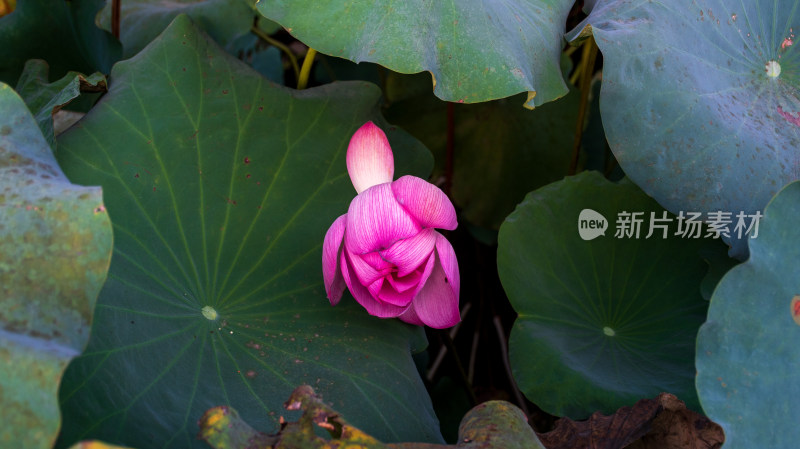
(331, 273)
(410, 316)
(426, 273)
(365, 272)
(363, 296)
(426, 203)
(369, 158)
(436, 305)
(404, 283)
(447, 257)
(389, 295)
(410, 253)
(375, 288)
(376, 261)
(375, 221)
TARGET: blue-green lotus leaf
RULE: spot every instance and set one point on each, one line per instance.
(700, 99)
(55, 248)
(747, 360)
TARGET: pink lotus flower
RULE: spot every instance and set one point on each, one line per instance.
(385, 249)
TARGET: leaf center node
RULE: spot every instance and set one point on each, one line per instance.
(209, 312)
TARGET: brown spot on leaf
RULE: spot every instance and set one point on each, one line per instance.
(793, 118)
(796, 309)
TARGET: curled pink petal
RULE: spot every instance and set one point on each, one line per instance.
(331, 273)
(447, 257)
(369, 158)
(426, 271)
(421, 275)
(410, 253)
(375, 221)
(375, 287)
(425, 202)
(410, 316)
(404, 283)
(436, 304)
(363, 296)
(389, 295)
(365, 272)
(376, 261)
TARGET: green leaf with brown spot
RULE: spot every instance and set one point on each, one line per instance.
(55, 248)
(689, 108)
(221, 186)
(747, 359)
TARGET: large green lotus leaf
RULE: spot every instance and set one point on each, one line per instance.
(62, 33)
(690, 110)
(475, 50)
(45, 99)
(747, 361)
(141, 21)
(55, 248)
(221, 186)
(501, 151)
(604, 322)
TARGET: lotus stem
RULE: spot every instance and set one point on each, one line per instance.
(308, 61)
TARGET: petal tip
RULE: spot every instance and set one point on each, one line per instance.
(369, 157)
(333, 297)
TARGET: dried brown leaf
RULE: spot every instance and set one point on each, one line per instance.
(677, 427)
(660, 423)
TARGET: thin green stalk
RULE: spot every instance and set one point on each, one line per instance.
(587, 61)
(501, 336)
(280, 46)
(448, 342)
(308, 61)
